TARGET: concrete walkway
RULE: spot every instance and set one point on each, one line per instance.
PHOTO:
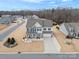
(51, 45)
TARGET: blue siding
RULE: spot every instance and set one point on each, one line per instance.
(31, 30)
(7, 20)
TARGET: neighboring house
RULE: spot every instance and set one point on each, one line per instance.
(70, 29)
(5, 15)
(7, 20)
(33, 17)
(39, 28)
(18, 17)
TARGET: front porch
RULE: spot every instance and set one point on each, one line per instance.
(34, 36)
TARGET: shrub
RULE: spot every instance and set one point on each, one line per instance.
(8, 41)
(12, 41)
(57, 27)
(69, 43)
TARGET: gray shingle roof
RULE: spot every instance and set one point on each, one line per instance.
(74, 26)
(6, 19)
(42, 22)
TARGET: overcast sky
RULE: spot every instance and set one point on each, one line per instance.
(36, 4)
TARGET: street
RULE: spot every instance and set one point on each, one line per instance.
(4, 34)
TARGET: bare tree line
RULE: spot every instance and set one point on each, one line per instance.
(58, 15)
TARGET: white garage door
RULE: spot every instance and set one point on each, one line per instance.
(47, 35)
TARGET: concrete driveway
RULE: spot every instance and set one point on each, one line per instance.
(51, 45)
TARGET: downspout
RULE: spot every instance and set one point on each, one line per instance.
(42, 26)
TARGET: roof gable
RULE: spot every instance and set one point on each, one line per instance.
(37, 25)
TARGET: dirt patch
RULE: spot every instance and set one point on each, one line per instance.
(2, 26)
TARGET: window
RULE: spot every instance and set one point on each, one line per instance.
(44, 29)
(38, 29)
(78, 35)
(34, 30)
(49, 28)
(72, 30)
(31, 30)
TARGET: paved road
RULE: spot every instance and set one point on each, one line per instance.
(8, 27)
(9, 31)
(39, 56)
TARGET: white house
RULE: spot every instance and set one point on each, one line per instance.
(39, 28)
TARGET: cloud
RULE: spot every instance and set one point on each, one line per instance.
(66, 0)
(33, 1)
(52, 2)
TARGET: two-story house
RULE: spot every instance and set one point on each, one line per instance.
(39, 28)
(70, 29)
(7, 20)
